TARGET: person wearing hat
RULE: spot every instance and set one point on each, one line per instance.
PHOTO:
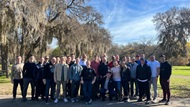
(143, 75)
(165, 73)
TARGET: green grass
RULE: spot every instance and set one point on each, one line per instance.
(181, 70)
(3, 79)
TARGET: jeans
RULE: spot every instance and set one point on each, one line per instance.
(26, 81)
(144, 89)
(154, 83)
(58, 84)
(15, 85)
(166, 88)
(117, 86)
(74, 88)
(134, 82)
(95, 88)
(87, 90)
(50, 84)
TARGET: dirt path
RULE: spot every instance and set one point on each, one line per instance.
(5, 101)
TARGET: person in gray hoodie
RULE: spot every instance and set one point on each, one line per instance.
(74, 76)
(133, 67)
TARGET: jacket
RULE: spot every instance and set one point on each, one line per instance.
(28, 70)
(125, 74)
(16, 72)
(165, 70)
(58, 72)
(143, 73)
(75, 72)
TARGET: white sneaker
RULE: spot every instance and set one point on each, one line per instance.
(65, 100)
(56, 100)
(73, 100)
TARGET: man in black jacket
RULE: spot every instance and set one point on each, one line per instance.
(28, 77)
(48, 79)
(143, 75)
(165, 73)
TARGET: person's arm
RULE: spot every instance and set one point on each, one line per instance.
(12, 73)
(82, 74)
(94, 79)
(149, 73)
(55, 74)
(158, 69)
(71, 73)
(169, 70)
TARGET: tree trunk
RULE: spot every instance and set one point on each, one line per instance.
(4, 59)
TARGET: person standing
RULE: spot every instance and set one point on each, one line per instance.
(74, 75)
(155, 71)
(125, 78)
(40, 87)
(143, 75)
(28, 77)
(48, 79)
(133, 80)
(61, 77)
(116, 73)
(95, 64)
(17, 76)
(165, 73)
(88, 78)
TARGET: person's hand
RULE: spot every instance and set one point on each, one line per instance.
(12, 81)
(82, 82)
(44, 81)
(93, 81)
(71, 81)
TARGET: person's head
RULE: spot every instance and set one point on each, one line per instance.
(32, 58)
(72, 57)
(123, 64)
(152, 57)
(57, 59)
(137, 57)
(77, 60)
(133, 59)
(62, 59)
(113, 58)
(115, 63)
(96, 58)
(88, 64)
(142, 61)
(128, 59)
(117, 57)
(84, 57)
(104, 55)
(18, 59)
(162, 58)
(142, 55)
(104, 59)
(46, 59)
(53, 60)
(68, 59)
(124, 59)
(42, 60)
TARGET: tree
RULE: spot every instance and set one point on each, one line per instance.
(173, 28)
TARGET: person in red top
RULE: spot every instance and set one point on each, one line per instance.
(95, 64)
(110, 65)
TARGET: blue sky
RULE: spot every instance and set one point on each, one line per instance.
(131, 20)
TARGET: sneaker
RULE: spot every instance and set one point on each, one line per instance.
(90, 101)
(163, 100)
(154, 101)
(56, 100)
(72, 100)
(147, 102)
(65, 100)
(167, 103)
(139, 100)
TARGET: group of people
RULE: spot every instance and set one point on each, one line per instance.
(118, 79)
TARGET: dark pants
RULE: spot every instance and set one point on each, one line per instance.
(15, 85)
(74, 88)
(26, 81)
(166, 88)
(68, 88)
(40, 89)
(117, 86)
(50, 84)
(87, 90)
(144, 89)
(134, 82)
(125, 85)
(95, 89)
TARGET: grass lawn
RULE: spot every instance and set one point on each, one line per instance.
(180, 83)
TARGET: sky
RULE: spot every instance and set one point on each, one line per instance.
(131, 20)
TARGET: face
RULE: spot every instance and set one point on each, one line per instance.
(123, 64)
(142, 61)
(88, 63)
(58, 59)
(32, 59)
(96, 58)
(62, 59)
(162, 59)
(137, 58)
(117, 57)
(152, 58)
(68, 59)
(133, 59)
(128, 59)
(46, 59)
(77, 61)
(115, 63)
(19, 59)
(84, 56)
(142, 55)
(72, 57)
(53, 60)
(42, 60)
